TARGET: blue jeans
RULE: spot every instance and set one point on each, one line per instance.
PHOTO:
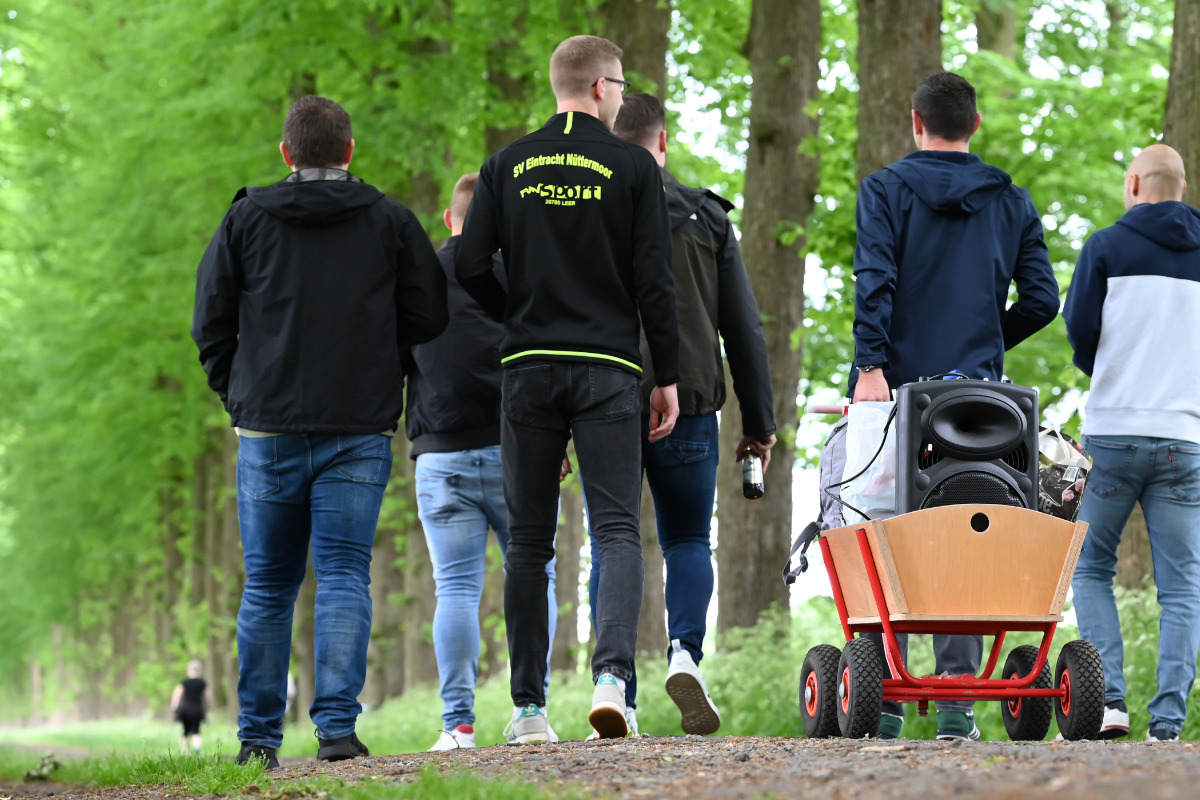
(1164, 475)
(294, 489)
(459, 496)
(545, 404)
(682, 472)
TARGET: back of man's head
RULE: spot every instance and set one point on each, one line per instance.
(946, 103)
(1159, 174)
(317, 132)
(640, 119)
(579, 62)
(460, 199)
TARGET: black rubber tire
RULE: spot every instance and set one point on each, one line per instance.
(818, 692)
(1027, 719)
(1081, 713)
(860, 689)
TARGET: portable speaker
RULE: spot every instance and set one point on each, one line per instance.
(965, 441)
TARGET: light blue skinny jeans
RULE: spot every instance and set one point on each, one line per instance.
(459, 496)
(1164, 475)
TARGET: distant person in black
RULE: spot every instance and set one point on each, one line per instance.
(580, 219)
(190, 703)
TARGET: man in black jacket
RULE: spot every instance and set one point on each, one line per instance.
(453, 420)
(304, 299)
(715, 302)
(580, 219)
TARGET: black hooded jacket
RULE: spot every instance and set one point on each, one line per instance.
(713, 295)
(304, 298)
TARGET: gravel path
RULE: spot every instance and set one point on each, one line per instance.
(730, 768)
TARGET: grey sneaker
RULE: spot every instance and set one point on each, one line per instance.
(608, 709)
(528, 726)
(687, 689)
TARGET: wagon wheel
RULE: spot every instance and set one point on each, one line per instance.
(1027, 719)
(859, 689)
(1080, 673)
(818, 691)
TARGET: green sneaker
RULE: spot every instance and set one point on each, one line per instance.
(890, 726)
(957, 725)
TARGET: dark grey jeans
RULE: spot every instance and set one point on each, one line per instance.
(544, 404)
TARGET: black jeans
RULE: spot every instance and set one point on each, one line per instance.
(544, 404)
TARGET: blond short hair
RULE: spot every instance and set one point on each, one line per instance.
(578, 62)
(460, 199)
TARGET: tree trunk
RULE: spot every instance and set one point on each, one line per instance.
(565, 647)
(996, 29)
(1181, 128)
(511, 79)
(639, 27)
(1135, 566)
(785, 40)
(899, 45)
(652, 626)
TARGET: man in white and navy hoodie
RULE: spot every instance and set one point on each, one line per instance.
(1131, 317)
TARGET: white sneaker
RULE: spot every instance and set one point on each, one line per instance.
(1115, 724)
(630, 721)
(528, 726)
(461, 738)
(687, 689)
(608, 709)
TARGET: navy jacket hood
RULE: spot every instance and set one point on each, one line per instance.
(951, 183)
(314, 203)
(1174, 225)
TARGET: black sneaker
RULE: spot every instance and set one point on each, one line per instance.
(266, 754)
(341, 748)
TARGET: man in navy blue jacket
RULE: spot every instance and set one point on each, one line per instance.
(1130, 316)
(941, 238)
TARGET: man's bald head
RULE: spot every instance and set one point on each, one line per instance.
(1156, 175)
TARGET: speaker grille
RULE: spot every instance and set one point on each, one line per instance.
(972, 487)
(929, 455)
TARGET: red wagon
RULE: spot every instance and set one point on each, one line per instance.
(966, 569)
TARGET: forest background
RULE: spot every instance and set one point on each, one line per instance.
(126, 126)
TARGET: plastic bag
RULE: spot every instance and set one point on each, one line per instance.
(1063, 467)
(873, 492)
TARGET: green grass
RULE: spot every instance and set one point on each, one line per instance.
(753, 675)
(211, 775)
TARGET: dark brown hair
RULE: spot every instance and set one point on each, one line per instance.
(317, 132)
(946, 103)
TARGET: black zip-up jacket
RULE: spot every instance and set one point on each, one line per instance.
(304, 298)
(454, 380)
(713, 294)
(580, 219)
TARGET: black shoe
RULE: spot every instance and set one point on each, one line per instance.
(266, 754)
(341, 748)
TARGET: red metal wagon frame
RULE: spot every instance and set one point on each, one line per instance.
(963, 569)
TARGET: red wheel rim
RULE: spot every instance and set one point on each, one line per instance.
(812, 701)
(1065, 685)
(1014, 706)
(846, 690)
